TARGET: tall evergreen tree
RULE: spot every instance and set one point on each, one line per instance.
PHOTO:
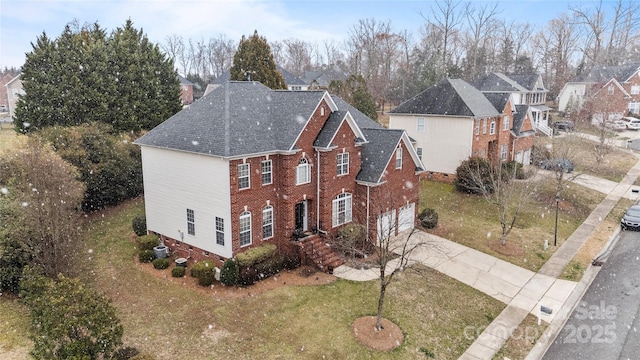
(83, 76)
(354, 91)
(254, 62)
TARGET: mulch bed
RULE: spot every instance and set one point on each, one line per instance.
(389, 338)
(509, 249)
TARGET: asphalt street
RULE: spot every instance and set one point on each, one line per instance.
(606, 322)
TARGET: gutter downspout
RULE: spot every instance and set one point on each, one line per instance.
(318, 192)
(368, 189)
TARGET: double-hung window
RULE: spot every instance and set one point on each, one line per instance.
(303, 172)
(505, 122)
(343, 163)
(420, 124)
(492, 128)
(267, 222)
(484, 126)
(399, 158)
(477, 126)
(243, 176)
(219, 231)
(191, 222)
(266, 172)
(635, 89)
(419, 152)
(341, 209)
(503, 152)
(245, 228)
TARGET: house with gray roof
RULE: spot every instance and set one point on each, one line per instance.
(618, 81)
(526, 89)
(452, 121)
(293, 82)
(245, 165)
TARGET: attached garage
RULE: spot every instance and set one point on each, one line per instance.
(386, 224)
(407, 217)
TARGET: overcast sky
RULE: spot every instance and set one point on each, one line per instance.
(22, 21)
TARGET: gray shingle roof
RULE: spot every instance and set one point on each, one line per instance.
(238, 118)
(453, 97)
(604, 73)
(527, 81)
(377, 153)
(289, 78)
(498, 100)
(329, 129)
(491, 82)
(518, 119)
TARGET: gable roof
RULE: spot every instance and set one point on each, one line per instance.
(601, 73)
(454, 97)
(184, 81)
(289, 78)
(377, 153)
(498, 100)
(527, 81)
(238, 118)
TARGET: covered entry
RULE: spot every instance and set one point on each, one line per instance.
(301, 216)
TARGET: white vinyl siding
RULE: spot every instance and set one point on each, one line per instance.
(341, 209)
(197, 182)
(245, 228)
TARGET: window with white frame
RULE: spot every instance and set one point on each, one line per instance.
(492, 127)
(243, 176)
(503, 152)
(245, 228)
(399, 158)
(267, 222)
(505, 122)
(419, 152)
(420, 122)
(610, 90)
(477, 126)
(191, 222)
(219, 231)
(484, 126)
(303, 172)
(634, 108)
(343, 163)
(341, 209)
(635, 89)
(266, 172)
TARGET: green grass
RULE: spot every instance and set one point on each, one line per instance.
(471, 221)
(291, 322)
(7, 135)
(14, 324)
(522, 340)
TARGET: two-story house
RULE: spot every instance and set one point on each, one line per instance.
(526, 89)
(617, 87)
(186, 91)
(246, 165)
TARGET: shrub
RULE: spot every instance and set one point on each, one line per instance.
(428, 218)
(144, 356)
(467, 176)
(139, 225)
(178, 271)
(270, 266)
(161, 263)
(255, 255)
(206, 278)
(291, 260)
(147, 242)
(126, 353)
(202, 266)
(509, 168)
(248, 276)
(146, 256)
(230, 273)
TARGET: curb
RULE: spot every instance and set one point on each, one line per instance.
(552, 332)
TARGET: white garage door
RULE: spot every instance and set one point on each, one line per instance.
(386, 225)
(527, 157)
(406, 217)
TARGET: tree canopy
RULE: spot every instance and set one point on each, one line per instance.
(354, 91)
(83, 76)
(254, 62)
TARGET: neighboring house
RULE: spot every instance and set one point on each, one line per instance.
(247, 165)
(14, 90)
(527, 89)
(293, 82)
(618, 84)
(452, 121)
(322, 78)
(186, 91)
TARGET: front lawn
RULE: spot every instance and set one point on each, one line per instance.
(290, 322)
(471, 221)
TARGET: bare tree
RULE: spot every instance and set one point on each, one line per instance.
(446, 19)
(298, 55)
(482, 25)
(220, 54)
(602, 116)
(174, 48)
(500, 187)
(45, 198)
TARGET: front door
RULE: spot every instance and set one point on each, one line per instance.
(301, 216)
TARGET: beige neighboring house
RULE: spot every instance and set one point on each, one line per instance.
(14, 90)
